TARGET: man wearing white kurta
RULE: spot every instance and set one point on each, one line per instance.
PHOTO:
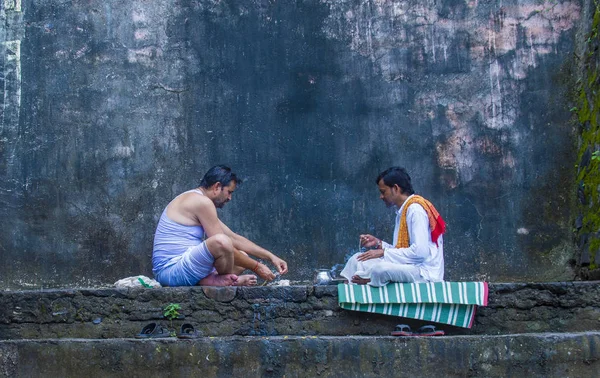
(418, 252)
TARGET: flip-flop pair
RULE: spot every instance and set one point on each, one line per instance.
(427, 330)
(157, 331)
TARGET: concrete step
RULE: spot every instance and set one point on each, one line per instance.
(269, 311)
(515, 355)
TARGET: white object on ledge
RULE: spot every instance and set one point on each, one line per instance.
(135, 282)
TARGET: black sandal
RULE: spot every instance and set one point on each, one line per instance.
(153, 331)
(188, 332)
(402, 330)
(429, 330)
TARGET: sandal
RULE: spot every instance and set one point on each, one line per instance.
(429, 330)
(188, 332)
(153, 331)
(402, 330)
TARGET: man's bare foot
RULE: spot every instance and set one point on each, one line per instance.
(246, 280)
(219, 280)
(360, 281)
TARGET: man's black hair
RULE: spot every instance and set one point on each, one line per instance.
(219, 173)
(396, 176)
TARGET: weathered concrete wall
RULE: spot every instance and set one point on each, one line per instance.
(553, 355)
(276, 311)
(111, 108)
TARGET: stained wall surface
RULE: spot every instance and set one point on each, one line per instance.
(112, 108)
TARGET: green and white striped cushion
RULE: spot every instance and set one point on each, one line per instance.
(451, 303)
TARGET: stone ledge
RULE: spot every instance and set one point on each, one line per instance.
(293, 310)
(531, 355)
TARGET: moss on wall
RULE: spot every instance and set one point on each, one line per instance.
(587, 111)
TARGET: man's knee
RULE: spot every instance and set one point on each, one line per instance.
(400, 273)
(379, 268)
(220, 243)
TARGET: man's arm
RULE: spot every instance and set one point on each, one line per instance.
(419, 235)
(246, 245)
(206, 213)
(243, 244)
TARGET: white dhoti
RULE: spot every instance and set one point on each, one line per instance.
(381, 272)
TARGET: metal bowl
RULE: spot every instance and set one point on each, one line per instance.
(322, 277)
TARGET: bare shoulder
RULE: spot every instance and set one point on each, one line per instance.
(195, 201)
(188, 207)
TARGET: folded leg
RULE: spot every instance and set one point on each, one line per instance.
(385, 272)
(353, 266)
(192, 266)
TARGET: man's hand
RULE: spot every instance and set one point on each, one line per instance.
(264, 272)
(280, 265)
(369, 241)
(372, 254)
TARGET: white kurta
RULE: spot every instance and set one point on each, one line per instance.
(422, 261)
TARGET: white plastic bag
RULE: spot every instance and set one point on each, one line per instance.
(135, 282)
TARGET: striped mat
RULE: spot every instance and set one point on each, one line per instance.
(451, 303)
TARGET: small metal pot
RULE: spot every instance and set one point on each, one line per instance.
(322, 277)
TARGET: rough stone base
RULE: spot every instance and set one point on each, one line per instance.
(530, 355)
(270, 311)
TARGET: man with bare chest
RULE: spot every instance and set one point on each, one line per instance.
(192, 246)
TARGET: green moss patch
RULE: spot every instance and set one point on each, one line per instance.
(587, 112)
